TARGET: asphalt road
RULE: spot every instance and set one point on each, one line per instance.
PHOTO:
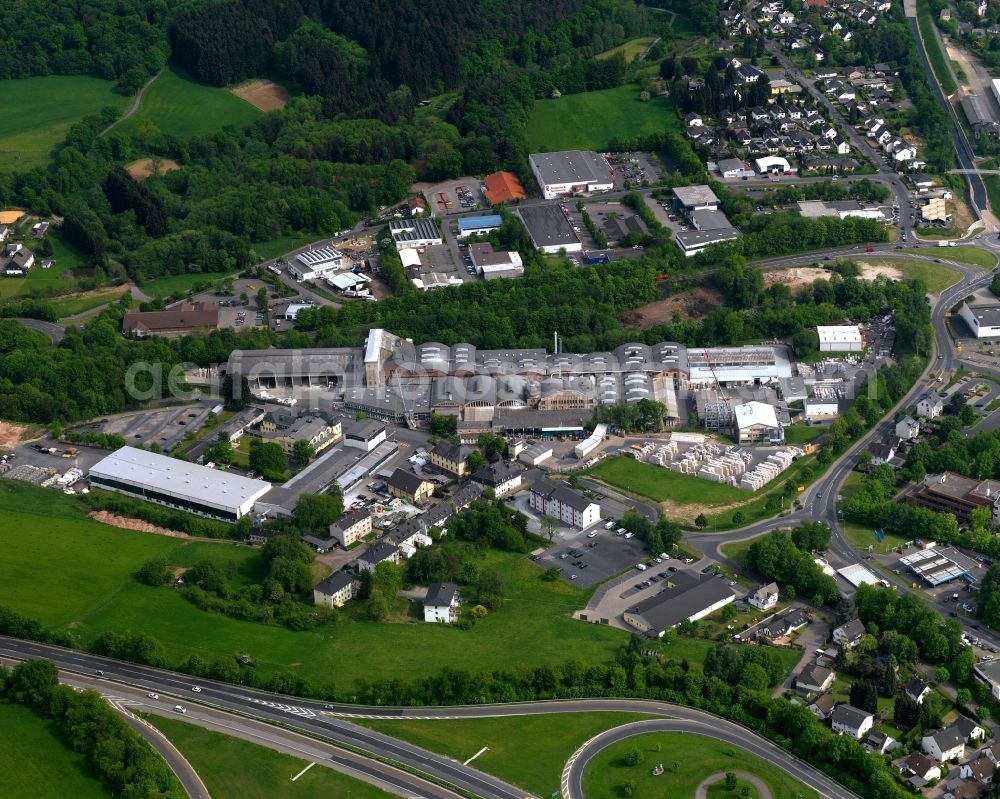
(53, 331)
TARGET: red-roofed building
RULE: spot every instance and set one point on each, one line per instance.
(504, 186)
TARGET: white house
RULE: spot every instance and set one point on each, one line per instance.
(930, 406)
(849, 720)
(849, 634)
(946, 744)
(563, 503)
(441, 603)
(815, 679)
(335, 591)
(765, 597)
(920, 769)
(917, 690)
(382, 552)
(907, 428)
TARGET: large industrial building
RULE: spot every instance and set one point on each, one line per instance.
(685, 597)
(571, 172)
(414, 233)
(178, 484)
(692, 242)
(478, 225)
(393, 379)
(549, 229)
(840, 338)
(983, 319)
(312, 264)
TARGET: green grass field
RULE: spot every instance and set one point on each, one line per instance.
(235, 769)
(36, 764)
(46, 544)
(662, 484)
(173, 285)
(550, 738)
(798, 434)
(73, 304)
(179, 106)
(40, 111)
(590, 120)
(963, 255)
(631, 48)
(687, 760)
(937, 276)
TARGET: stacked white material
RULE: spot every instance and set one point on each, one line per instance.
(768, 469)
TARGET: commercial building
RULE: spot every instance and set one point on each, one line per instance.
(695, 198)
(478, 225)
(592, 442)
(840, 338)
(773, 165)
(954, 493)
(561, 502)
(180, 320)
(757, 423)
(571, 172)
(414, 233)
(734, 169)
(365, 434)
(349, 282)
(706, 219)
(935, 210)
(502, 187)
(492, 264)
(335, 591)
(178, 484)
(685, 597)
(938, 566)
(549, 229)
(983, 319)
(312, 264)
(692, 242)
(354, 525)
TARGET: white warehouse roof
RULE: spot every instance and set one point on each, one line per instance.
(839, 334)
(750, 413)
(319, 256)
(177, 478)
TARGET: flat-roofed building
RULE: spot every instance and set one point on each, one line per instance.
(982, 318)
(685, 597)
(549, 228)
(571, 172)
(492, 264)
(695, 198)
(692, 242)
(478, 225)
(178, 484)
(950, 492)
(312, 264)
(414, 233)
(706, 219)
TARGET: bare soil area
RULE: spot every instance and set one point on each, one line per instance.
(871, 271)
(10, 435)
(144, 167)
(693, 304)
(263, 94)
(125, 523)
(10, 217)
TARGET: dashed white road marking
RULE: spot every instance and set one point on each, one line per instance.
(295, 710)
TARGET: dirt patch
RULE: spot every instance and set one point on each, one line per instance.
(10, 435)
(144, 167)
(872, 271)
(263, 94)
(10, 217)
(694, 304)
(125, 523)
(795, 278)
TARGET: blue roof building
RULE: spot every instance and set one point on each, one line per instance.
(471, 225)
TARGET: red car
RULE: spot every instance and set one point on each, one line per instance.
(870, 249)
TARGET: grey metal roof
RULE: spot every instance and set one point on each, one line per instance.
(685, 596)
(547, 225)
(571, 166)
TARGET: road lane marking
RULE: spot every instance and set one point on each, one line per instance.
(475, 756)
(313, 763)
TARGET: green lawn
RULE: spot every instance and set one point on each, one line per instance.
(47, 545)
(266, 250)
(179, 106)
(235, 769)
(974, 256)
(861, 537)
(631, 48)
(78, 303)
(798, 434)
(40, 111)
(65, 256)
(550, 739)
(36, 764)
(590, 120)
(687, 760)
(937, 276)
(719, 791)
(661, 484)
(175, 285)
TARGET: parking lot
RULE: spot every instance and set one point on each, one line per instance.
(453, 196)
(588, 561)
(161, 427)
(635, 168)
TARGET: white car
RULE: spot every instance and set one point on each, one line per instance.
(180, 708)
(153, 696)
(592, 534)
(621, 531)
(196, 689)
(610, 525)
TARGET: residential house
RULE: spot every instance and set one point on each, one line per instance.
(441, 603)
(849, 720)
(765, 597)
(946, 744)
(335, 591)
(406, 485)
(354, 525)
(823, 707)
(907, 428)
(879, 742)
(917, 690)
(981, 770)
(930, 406)
(504, 478)
(849, 634)
(920, 770)
(782, 624)
(450, 457)
(382, 552)
(815, 679)
(563, 503)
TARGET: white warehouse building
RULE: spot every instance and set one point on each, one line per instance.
(312, 264)
(178, 484)
(983, 319)
(840, 338)
(571, 172)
